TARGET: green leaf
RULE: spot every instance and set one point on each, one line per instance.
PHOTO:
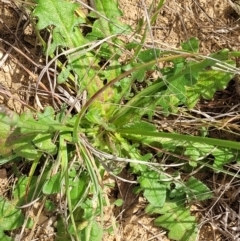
(10, 216)
(7, 116)
(118, 202)
(149, 55)
(191, 45)
(53, 185)
(4, 237)
(26, 187)
(27, 134)
(29, 124)
(154, 191)
(140, 125)
(54, 12)
(47, 115)
(178, 221)
(50, 206)
(62, 234)
(187, 81)
(21, 144)
(77, 191)
(96, 232)
(89, 210)
(5, 131)
(60, 14)
(103, 27)
(62, 77)
(44, 143)
(198, 151)
(196, 190)
(145, 57)
(178, 190)
(207, 84)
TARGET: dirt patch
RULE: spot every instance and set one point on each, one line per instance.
(214, 23)
(16, 72)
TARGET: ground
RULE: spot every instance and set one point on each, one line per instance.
(214, 23)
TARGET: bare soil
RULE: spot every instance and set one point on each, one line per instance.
(214, 23)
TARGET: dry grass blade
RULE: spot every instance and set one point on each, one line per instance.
(235, 4)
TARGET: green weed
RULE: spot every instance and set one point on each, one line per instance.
(114, 125)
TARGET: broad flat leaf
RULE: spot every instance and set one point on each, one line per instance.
(10, 216)
(50, 206)
(178, 221)
(28, 133)
(155, 194)
(207, 84)
(12, 140)
(191, 45)
(60, 14)
(44, 143)
(54, 12)
(94, 234)
(175, 92)
(89, 209)
(4, 237)
(118, 202)
(26, 187)
(53, 185)
(78, 189)
(66, 33)
(29, 124)
(154, 191)
(140, 125)
(102, 27)
(21, 144)
(196, 190)
(188, 81)
(221, 155)
(7, 116)
(5, 131)
(62, 77)
(47, 115)
(144, 57)
(132, 151)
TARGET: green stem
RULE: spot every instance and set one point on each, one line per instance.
(174, 136)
